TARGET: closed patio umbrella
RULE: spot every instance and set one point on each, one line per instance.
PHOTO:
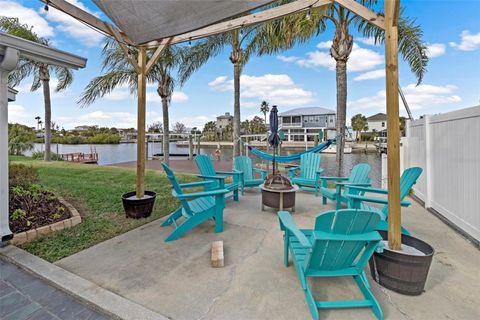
(273, 138)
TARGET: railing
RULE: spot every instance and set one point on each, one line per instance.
(80, 157)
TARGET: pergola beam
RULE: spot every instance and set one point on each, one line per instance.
(363, 12)
(86, 17)
(116, 34)
(156, 55)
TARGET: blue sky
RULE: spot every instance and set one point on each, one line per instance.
(301, 77)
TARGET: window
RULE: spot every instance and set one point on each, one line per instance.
(383, 124)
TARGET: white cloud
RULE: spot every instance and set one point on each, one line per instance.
(361, 59)
(218, 81)
(73, 27)
(276, 88)
(325, 45)
(179, 96)
(288, 59)
(375, 74)
(26, 16)
(435, 50)
(18, 114)
(424, 96)
(368, 41)
(470, 41)
(318, 59)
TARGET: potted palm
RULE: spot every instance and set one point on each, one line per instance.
(118, 72)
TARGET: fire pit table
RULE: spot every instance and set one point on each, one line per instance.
(278, 198)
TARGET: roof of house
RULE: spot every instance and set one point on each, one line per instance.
(378, 117)
(306, 111)
(225, 116)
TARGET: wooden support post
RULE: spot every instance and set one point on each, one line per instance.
(217, 258)
(141, 92)
(393, 124)
(190, 147)
(198, 144)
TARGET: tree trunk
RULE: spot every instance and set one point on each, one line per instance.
(341, 48)
(341, 112)
(236, 58)
(45, 78)
(166, 131)
(236, 110)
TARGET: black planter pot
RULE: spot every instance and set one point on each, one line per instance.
(402, 272)
(138, 208)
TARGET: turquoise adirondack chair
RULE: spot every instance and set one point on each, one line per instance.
(196, 207)
(407, 180)
(248, 180)
(309, 172)
(358, 177)
(340, 245)
(208, 173)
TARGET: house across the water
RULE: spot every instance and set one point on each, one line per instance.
(303, 124)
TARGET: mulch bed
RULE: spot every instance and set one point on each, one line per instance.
(30, 210)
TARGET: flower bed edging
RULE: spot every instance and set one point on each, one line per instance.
(29, 235)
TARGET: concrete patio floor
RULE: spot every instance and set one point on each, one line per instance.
(175, 279)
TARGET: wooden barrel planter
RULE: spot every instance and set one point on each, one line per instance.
(402, 272)
(137, 208)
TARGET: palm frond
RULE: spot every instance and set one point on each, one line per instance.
(36, 83)
(199, 54)
(64, 76)
(104, 84)
(410, 42)
(25, 69)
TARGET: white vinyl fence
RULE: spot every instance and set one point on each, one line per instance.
(447, 148)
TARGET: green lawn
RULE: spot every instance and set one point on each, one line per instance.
(96, 192)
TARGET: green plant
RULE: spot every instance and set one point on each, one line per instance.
(20, 139)
(20, 175)
(18, 214)
(39, 155)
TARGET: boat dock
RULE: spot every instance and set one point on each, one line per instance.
(80, 157)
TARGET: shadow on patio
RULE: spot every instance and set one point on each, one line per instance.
(175, 279)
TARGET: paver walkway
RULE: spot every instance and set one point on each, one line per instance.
(23, 296)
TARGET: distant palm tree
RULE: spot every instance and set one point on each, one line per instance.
(119, 71)
(264, 109)
(282, 34)
(241, 46)
(40, 71)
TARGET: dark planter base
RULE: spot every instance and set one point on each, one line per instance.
(400, 272)
(138, 208)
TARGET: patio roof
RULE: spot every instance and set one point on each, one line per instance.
(148, 20)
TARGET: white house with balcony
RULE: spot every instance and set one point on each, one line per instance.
(303, 124)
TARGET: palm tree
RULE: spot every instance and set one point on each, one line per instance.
(264, 109)
(118, 71)
(40, 71)
(241, 46)
(282, 34)
(359, 124)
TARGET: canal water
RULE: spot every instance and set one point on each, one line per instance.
(125, 152)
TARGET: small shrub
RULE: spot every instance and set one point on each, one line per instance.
(18, 214)
(20, 175)
(40, 155)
